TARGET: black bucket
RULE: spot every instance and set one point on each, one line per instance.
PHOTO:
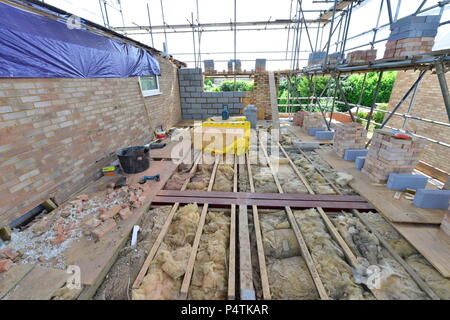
(134, 159)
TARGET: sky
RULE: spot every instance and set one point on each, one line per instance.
(180, 45)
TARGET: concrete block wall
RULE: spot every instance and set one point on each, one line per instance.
(197, 104)
(56, 134)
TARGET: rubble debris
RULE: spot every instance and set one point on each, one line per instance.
(111, 212)
(9, 253)
(5, 233)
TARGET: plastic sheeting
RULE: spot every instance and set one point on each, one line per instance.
(35, 46)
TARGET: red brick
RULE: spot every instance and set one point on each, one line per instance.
(5, 265)
(103, 229)
(8, 253)
(111, 212)
(125, 213)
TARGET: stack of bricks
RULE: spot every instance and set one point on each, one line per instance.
(299, 117)
(237, 66)
(349, 135)
(260, 65)
(313, 120)
(391, 155)
(412, 36)
(336, 58)
(361, 56)
(317, 57)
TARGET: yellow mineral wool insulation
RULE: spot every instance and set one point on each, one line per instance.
(336, 274)
(439, 284)
(224, 178)
(378, 270)
(289, 277)
(287, 139)
(200, 180)
(290, 183)
(176, 181)
(263, 180)
(317, 182)
(397, 242)
(210, 276)
(164, 277)
(342, 178)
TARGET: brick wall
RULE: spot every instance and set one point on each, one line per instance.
(260, 96)
(428, 104)
(57, 133)
(197, 104)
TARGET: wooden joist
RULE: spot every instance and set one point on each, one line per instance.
(259, 245)
(247, 290)
(232, 251)
(138, 281)
(298, 234)
(190, 266)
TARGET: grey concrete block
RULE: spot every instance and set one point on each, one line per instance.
(238, 94)
(233, 100)
(217, 106)
(228, 94)
(223, 100)
(184, 71)
(239, 105)
(195, 71)
(208, 94)
(197, 116)
(195, 83)
(201, 100)
(401, 182)
(191, 89)
(351, 154)
(196, 106)
(217, 94)
(195, 94)
(185, 94)
(211, 100)
(432, 199)
(306, 145)
(212, 111)
(191, 100)
(185, 105)
(184, 83)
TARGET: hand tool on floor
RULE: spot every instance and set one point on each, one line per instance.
(145, 178)
(121, 182)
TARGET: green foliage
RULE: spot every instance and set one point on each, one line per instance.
(351, 86)
(241, 85)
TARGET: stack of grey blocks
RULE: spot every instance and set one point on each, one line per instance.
(414, 27)
(197, 104)
(317, 57)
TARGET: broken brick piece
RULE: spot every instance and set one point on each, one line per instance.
(125, 213)
(59, 239)
(92, 222)
(5, 265)
(111, 212)
(8, 253)
(103, 229)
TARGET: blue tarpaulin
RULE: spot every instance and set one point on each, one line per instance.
(35, 46)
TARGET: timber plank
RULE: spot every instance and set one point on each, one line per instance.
(431, 242)
(9, 279)
(38, 284)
